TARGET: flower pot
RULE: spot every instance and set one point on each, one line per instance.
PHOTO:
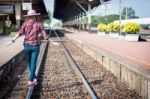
(122, 36)
(101, 33)
(114, 35)
(132, 37)
(106, 33)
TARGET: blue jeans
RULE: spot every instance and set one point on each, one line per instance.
(31, 53)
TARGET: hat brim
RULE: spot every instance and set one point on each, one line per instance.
(32, 15)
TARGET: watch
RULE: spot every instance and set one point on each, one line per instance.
(13, 41)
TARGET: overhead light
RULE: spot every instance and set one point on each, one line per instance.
(90, 0)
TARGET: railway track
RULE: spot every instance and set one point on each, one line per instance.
(102, 81)
(60, 76)
(63, 80)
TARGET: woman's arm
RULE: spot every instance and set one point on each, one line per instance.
(20, 32)
(43, 32)
(16, 36)
(13, 40)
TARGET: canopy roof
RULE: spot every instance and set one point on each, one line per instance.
(67, 9)
(37, 5)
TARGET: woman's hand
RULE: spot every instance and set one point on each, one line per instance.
(10, 42)
(13, 40)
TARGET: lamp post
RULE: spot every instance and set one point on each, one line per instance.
(120, 16)
(105, 7)
(89, 15)
(126, 11)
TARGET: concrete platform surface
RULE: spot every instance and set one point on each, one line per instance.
(134, 52)
(8, 52)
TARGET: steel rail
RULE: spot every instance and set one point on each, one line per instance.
(75, 67)
(40, 57)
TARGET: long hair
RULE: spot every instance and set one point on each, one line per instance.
(27, 18)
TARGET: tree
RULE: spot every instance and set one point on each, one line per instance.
(105, 19)
(49, 15)
(130, 12)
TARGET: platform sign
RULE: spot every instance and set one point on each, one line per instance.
(105, 6)
(26, 6)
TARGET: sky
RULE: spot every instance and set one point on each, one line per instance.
(141, 7)
(50, 6)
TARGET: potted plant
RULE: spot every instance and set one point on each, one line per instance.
(132, 31)
(101, 29)
(114, 30)
(106, 29)
(110, 27)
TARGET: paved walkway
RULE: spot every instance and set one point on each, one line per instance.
(134, 52)
(7, 52)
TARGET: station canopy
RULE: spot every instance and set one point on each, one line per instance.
(67, 9)
(37, 5)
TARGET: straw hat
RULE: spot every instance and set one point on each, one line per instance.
(32, 13)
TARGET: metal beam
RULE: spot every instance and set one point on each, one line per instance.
(85, 2)
(81, 6)
(60, 11)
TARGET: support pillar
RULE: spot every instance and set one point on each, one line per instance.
(85, 22)
(82, 23)
(78, 21)
(18, 13)
(89, 18)
(120, 16)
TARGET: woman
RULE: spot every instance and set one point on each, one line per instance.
(32, 29)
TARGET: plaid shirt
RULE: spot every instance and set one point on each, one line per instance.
(32, 33)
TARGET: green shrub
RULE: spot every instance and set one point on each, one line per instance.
(102, 27)
(107, 28)
(116, 27)
(110, 27)
(99, 26)
(113, 27)
(13, 28)
(131, 28)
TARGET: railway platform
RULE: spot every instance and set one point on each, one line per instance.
(7, 52)
(10, 55)
(129, 61)
(135, 52)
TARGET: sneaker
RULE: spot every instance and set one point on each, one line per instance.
(35, 81)
(30, 83)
